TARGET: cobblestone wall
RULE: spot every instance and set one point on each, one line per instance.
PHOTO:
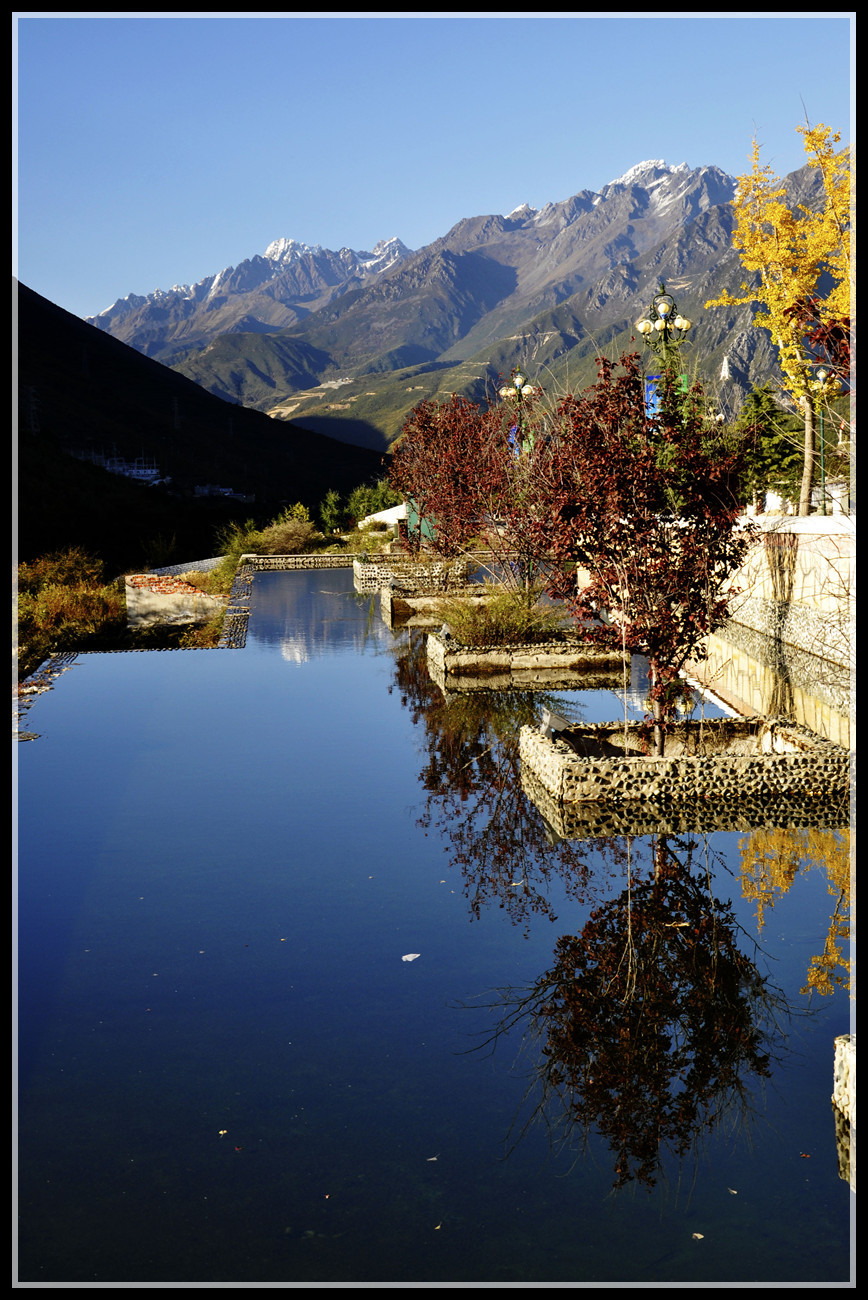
(718, 759)
(844, 1090)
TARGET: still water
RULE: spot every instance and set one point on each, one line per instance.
(231, 1070)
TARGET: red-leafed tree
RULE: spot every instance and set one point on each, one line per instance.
(445, 460)
(468, 472)
(640, 524)
(629, 519)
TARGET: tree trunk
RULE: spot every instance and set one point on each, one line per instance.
(810, 452)
(658, 735)
(659, 741)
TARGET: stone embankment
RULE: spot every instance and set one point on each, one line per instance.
(724, 760)
(166, 598)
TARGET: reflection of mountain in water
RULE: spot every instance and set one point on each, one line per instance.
(309, 614)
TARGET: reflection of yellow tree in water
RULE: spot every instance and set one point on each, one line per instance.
(771, 860)
(653, 1025)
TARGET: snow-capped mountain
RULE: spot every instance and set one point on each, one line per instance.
(264, 293)
(545, 288)
(652, 170)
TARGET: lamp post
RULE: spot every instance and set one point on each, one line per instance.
(516, 390)
(664, 328)
(822, 376)
(825, 387)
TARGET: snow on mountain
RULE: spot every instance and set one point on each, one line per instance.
(286, 250)
(523, 212)
(643, 172)
(383, 254)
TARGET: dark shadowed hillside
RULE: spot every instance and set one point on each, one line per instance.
(85, 398)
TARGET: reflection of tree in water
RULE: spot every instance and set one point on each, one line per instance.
(472, 775)
(771, 861)
(781, 550)
(652, 1025)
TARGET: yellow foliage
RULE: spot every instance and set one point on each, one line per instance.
(771, 861)
(793, 249)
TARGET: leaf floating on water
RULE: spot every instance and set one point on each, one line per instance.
(411, 956)
(698, 1236)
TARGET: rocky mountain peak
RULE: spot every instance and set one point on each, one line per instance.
(652, 171)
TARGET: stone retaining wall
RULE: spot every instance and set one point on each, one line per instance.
(844, 1090)
(797, 584)
(700, 815)
(372, 573)
(721, 759)
(399, 606)
(566, 654)
(759, 675)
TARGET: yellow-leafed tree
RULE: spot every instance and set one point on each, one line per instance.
(803, 261)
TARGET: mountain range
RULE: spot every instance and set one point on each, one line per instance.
(347, 343)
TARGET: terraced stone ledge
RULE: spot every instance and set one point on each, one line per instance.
(460, 667)
(400, 607)
(372, 573)
(722, 760)
(702, 814)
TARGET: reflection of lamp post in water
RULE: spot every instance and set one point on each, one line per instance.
(663, 330)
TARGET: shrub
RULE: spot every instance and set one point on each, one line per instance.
(505, 618)
(72, 567)
(289, 534)
(371, 498)
(233, 541)
(63, 602)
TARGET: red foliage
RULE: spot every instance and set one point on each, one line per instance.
(830, 339)
(443, 464)
(640, 522)
(616, 513)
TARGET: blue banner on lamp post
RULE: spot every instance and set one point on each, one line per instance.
(652, 397)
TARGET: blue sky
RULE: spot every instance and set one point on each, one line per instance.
(157, 148)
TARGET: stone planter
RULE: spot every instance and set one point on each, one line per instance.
(374, 572)
(601, 818)
(401, 607)
(734, 761)
(566, 663)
